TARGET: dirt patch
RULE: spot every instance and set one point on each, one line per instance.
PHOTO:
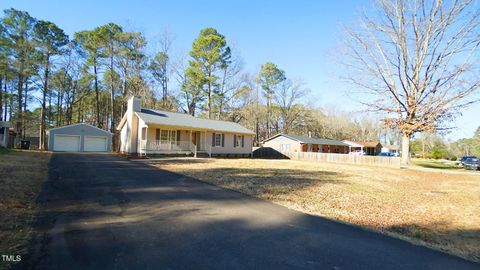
(21, 178)
(434, 209)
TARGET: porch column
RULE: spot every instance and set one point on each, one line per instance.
(209, 152)
(146, 140)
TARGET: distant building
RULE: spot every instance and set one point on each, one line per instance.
(371, 148)
(394, 149)
(296, 143)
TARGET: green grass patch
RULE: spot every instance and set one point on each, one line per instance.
(436, 164)
(4, 151)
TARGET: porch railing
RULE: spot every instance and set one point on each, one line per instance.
(168, 147)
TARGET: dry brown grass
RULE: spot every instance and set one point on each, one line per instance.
(433, 209)
(21, 177)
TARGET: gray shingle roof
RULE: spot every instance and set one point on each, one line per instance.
(187, 121)
(312, 140)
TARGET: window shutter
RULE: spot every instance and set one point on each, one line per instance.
(213, 139)
(234, 140)
(223, 140)
(178, 137)
(243, 141)
(157, 134)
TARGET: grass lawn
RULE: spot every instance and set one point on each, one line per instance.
(428, 208)
(435, 164)
(21, 177)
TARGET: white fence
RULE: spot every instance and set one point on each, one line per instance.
(344, 158)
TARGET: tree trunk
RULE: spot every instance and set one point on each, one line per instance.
(1, 99)
(209, 100)
(57, 117)
(49, 109)
(60, 108)
(79, 112)
(268, 117)
(19, 118)
(96, 93)
(43, 110)
(405, 160)
(5, 112)
(112, 100)
(124, 91)
(165, 91)
(25, 109)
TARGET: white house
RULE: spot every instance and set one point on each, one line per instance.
(146, 131)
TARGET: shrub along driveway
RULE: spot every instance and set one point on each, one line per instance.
(103, 212)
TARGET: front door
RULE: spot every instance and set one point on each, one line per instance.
(196, 139)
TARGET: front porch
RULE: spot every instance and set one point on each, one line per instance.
(163, 140)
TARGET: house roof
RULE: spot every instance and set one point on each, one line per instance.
(310, 140)
(370, 143)
(79, 124)
(353, 144)
(391, 147)
(155, 117)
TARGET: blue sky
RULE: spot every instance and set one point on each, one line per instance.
(302, 37)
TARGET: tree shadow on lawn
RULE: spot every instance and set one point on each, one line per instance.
(268, 181)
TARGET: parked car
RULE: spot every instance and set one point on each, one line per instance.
(464, 158)
(386, 154)
(472, 164)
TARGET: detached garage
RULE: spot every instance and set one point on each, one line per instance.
(79, 138)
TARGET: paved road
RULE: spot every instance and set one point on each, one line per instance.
(103, 212)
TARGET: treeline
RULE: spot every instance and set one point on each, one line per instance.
(433, 146)
(50, 79)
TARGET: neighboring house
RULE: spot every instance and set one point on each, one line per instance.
(371, 148)
(354, 148)
(79, 138)
(295, 143)
(146, 131)
(394, 149)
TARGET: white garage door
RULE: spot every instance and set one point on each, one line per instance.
(95, 144)
(66, 143)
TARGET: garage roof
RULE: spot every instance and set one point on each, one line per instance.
(155, 117)
(79, 124)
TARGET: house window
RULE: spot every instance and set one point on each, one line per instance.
(218, 139)
(238, 140)
(164, 136)
(144, 133)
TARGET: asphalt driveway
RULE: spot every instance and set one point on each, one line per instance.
(104, 212)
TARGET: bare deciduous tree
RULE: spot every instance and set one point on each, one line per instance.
(288, 97)
(417, 60)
